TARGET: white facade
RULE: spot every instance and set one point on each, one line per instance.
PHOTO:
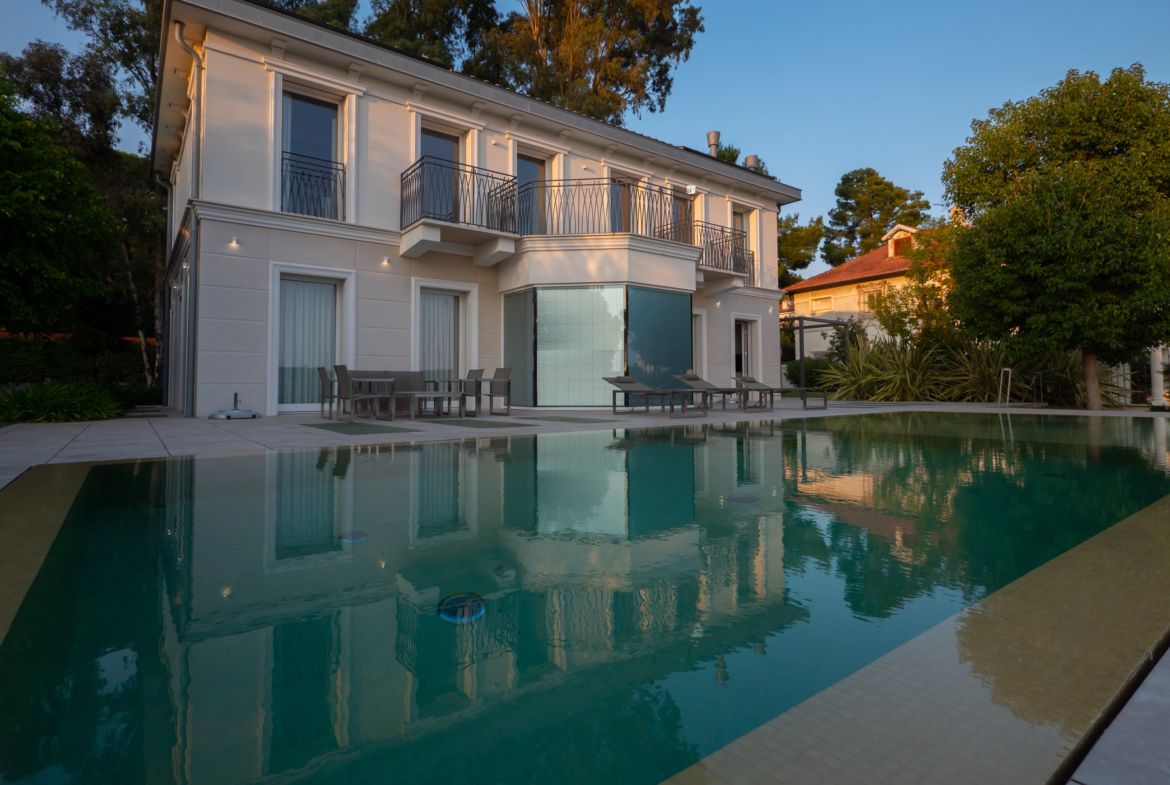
(223, 141)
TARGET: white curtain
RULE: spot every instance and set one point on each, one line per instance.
(439, 335)
(308, 338)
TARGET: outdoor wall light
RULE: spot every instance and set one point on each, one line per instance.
(235, 241)
(385, 260)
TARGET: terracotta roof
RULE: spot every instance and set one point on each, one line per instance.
(876, 264)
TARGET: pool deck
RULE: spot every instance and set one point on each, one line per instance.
(961, 703)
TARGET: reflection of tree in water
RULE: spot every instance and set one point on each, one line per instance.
(983, 511)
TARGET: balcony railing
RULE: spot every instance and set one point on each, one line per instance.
(599, 206)
(312, 186)
(724, 249)
(443, 191)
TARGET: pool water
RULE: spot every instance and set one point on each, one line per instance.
(594, 607)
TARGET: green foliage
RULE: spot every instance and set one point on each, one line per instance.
(868, 206)
(25, 360)
(440, 30)
(815, 372)
(53, 225)
(128, 395)
(963, 371)
(602, 58)
(59, 402)
(1068, 194)
(857, 337)
(916, 310)
(338, 13)
(727, 152)
(797, 245)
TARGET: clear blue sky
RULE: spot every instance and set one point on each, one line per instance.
(819, 88)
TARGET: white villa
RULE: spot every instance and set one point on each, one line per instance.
(338, 201)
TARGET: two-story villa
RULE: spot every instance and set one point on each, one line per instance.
(338, 201)
(846, 291)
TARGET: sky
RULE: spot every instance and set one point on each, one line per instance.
(817, 89)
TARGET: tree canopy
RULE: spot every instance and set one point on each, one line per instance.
(796, 245)
(1068, 194)
(52, 224)
(868, 206)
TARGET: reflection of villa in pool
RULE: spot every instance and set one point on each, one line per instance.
(575, 558)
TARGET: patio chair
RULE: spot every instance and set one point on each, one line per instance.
(327, 393)
(345, 392)
(469, 386)
(499, 386)
(704, 389)
(639, 391)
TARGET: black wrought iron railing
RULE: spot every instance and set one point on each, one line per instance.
(460, 194)
(312, 186)
(599, 206)
(724, 249)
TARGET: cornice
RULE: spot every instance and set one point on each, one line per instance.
(535, 141)
(290, 222)
(286, 68)
(454, 118)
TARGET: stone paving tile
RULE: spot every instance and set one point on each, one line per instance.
(1002, 692)
(10, 473)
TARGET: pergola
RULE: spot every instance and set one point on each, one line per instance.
(801, 321)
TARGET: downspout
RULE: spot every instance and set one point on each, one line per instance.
(164, 370)
(197, 193)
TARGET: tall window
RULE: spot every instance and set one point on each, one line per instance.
(530, 173)
(312, 179)
(441, 178)
(439, 343)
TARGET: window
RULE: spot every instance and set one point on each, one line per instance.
(659, 343)
(530, 173)
(312, 179)
(308, 337)
(439, 145)
(439, 344)
(441, 176)
(901, 246)
(580, 337)
(739, 221)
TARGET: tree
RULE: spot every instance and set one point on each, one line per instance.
(797, 245)
(1068, 194)
(602, 58)
(730, 153)
(868, 206)
(338, 13)
(447, 31)
(52, 224)
(78, 96)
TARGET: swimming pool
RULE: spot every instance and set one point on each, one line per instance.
(608, 606)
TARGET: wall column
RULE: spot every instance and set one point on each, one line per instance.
(1158, 383)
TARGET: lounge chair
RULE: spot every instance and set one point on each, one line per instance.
(346, 392)
(748, 385)
(469, 387)
(705, 390)
(639, 391)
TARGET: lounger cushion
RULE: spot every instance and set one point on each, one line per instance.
(625, 380)
(690, 377)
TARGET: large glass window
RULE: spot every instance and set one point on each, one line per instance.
(659, 338)
(312, 180)
(530, 172)
(441, 180)
(519, 326)
(439, 335)
(580, 337)
(308, 338)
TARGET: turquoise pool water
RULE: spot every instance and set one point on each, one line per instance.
(581, 608)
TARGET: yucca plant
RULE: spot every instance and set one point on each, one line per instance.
(58, 402)
(889, 371)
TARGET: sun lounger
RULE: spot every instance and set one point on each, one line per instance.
(641, 393)
(705, 390)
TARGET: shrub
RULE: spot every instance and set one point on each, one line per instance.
(59, 402)
(814, 371)
(885, 370)
(32, 360)
(131, 395)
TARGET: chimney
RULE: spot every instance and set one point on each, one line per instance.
(713, 141)
(751, 161)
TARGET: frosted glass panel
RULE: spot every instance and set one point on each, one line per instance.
(659, 336)
(580, 337)
(308, 338)
(519, 321)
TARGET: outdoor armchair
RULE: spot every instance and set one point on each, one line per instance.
(468, 387)
(346, 392)
(327, 393)
(499, 386)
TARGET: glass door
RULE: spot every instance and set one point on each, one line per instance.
(529, 179)
(439, 343)
(311, 177)
(308, 338)
(441, 183)
(743, 349)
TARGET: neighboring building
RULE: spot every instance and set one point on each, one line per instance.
(335, 200)
(845, 291)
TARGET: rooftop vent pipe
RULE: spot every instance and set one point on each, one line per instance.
(713, 141)
(752, 161)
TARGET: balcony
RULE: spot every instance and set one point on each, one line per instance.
(598, 206)
(457, 209)
(725, 251)
(312, 186)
